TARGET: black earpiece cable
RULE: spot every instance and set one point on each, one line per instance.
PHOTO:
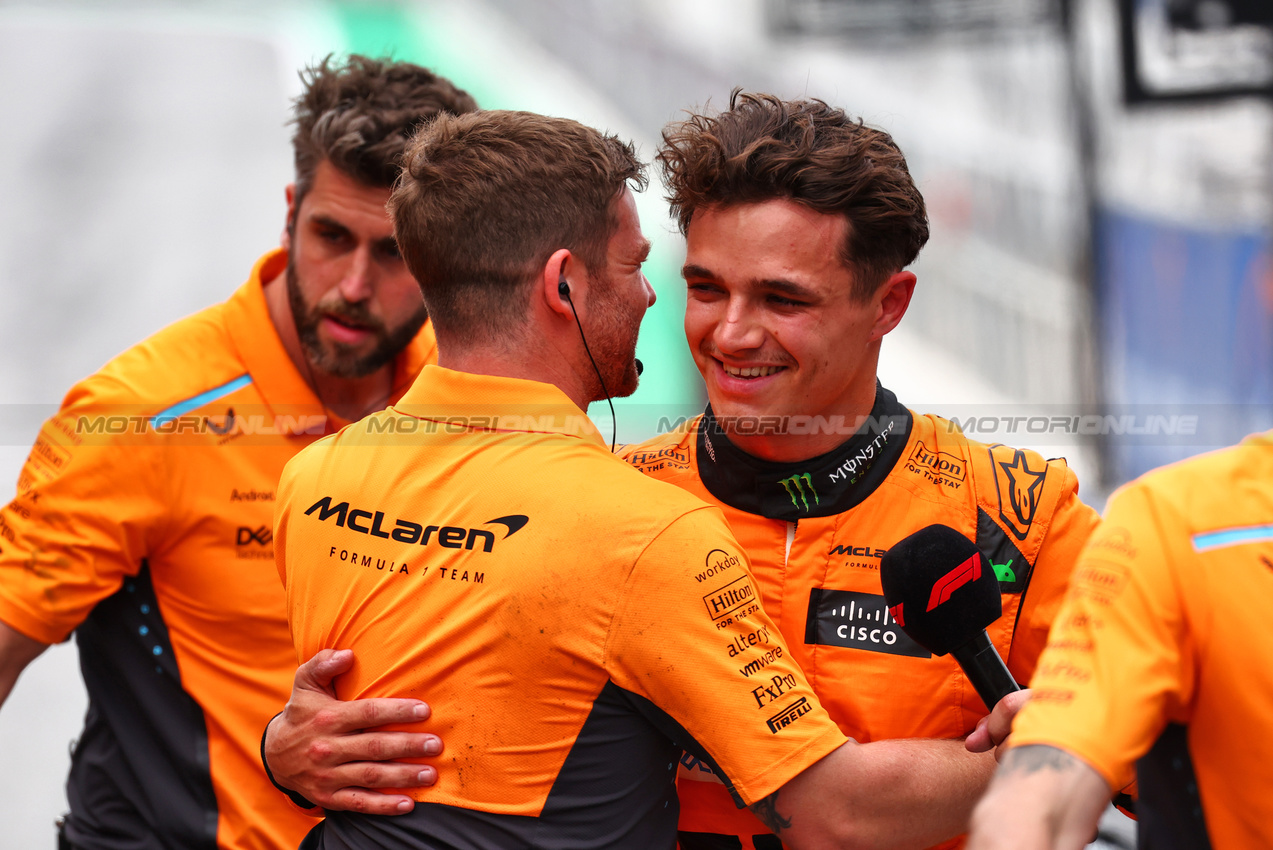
(563, 289)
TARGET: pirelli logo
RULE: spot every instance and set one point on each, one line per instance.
(789, 715)
(726, 600)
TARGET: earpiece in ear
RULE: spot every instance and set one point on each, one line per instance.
(563, 288)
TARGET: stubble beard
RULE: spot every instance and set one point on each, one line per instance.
(615, 345)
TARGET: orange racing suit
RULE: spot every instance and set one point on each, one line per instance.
(815, 532)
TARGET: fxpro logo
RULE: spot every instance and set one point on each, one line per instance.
(800, 484)
(406, 531)
(856, 620)
(778, 685)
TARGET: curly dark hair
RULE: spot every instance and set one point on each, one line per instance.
(764, 148)
(486, 198)
(359, 114)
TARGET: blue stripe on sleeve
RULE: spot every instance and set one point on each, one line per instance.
(200, 400)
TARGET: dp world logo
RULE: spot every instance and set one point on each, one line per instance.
(800, 485)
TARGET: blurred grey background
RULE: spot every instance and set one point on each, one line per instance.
(1097, 172)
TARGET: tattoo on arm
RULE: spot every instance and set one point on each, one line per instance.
(1035, 757)
(767, 811)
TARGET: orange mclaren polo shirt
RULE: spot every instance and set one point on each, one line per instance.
(1167, 621)
(143, 522)
(479, 546)
(815, 532)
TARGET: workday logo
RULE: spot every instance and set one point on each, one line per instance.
(797, 485)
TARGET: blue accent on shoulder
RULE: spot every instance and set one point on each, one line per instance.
(200, 400)
(1232, 537)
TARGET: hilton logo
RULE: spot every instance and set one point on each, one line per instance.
(938, 463)
(789, 715)
(726, 600)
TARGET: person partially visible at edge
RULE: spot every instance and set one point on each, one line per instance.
(1161, 660)
(142, 517)
(800, 224)
(555, 598)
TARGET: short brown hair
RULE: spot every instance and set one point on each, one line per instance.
(763, 148)
(486, 198)
(358, 115)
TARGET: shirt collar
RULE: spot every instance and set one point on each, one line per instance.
(491, 403)
(276, 377)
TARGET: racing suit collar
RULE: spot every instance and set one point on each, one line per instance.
(821, 486)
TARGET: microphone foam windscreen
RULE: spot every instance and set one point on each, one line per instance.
(939, 588)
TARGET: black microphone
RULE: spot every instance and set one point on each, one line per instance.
(640, 366)
(942, 593)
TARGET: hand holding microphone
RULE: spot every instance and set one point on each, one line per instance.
(942, 593)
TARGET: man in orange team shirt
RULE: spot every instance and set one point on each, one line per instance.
(1160, 659)
(143, 515)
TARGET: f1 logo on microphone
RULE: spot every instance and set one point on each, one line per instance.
(969, 570)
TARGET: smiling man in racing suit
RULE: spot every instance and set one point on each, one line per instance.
(799, 223)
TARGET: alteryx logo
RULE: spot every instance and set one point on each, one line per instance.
(373, 523)
(800, 485)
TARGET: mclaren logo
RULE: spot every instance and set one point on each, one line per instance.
(374, 524)
(800, 485)
(227, 425)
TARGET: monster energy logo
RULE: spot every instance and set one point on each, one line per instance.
(795, 486)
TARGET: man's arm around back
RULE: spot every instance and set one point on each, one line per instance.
(16, 652)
